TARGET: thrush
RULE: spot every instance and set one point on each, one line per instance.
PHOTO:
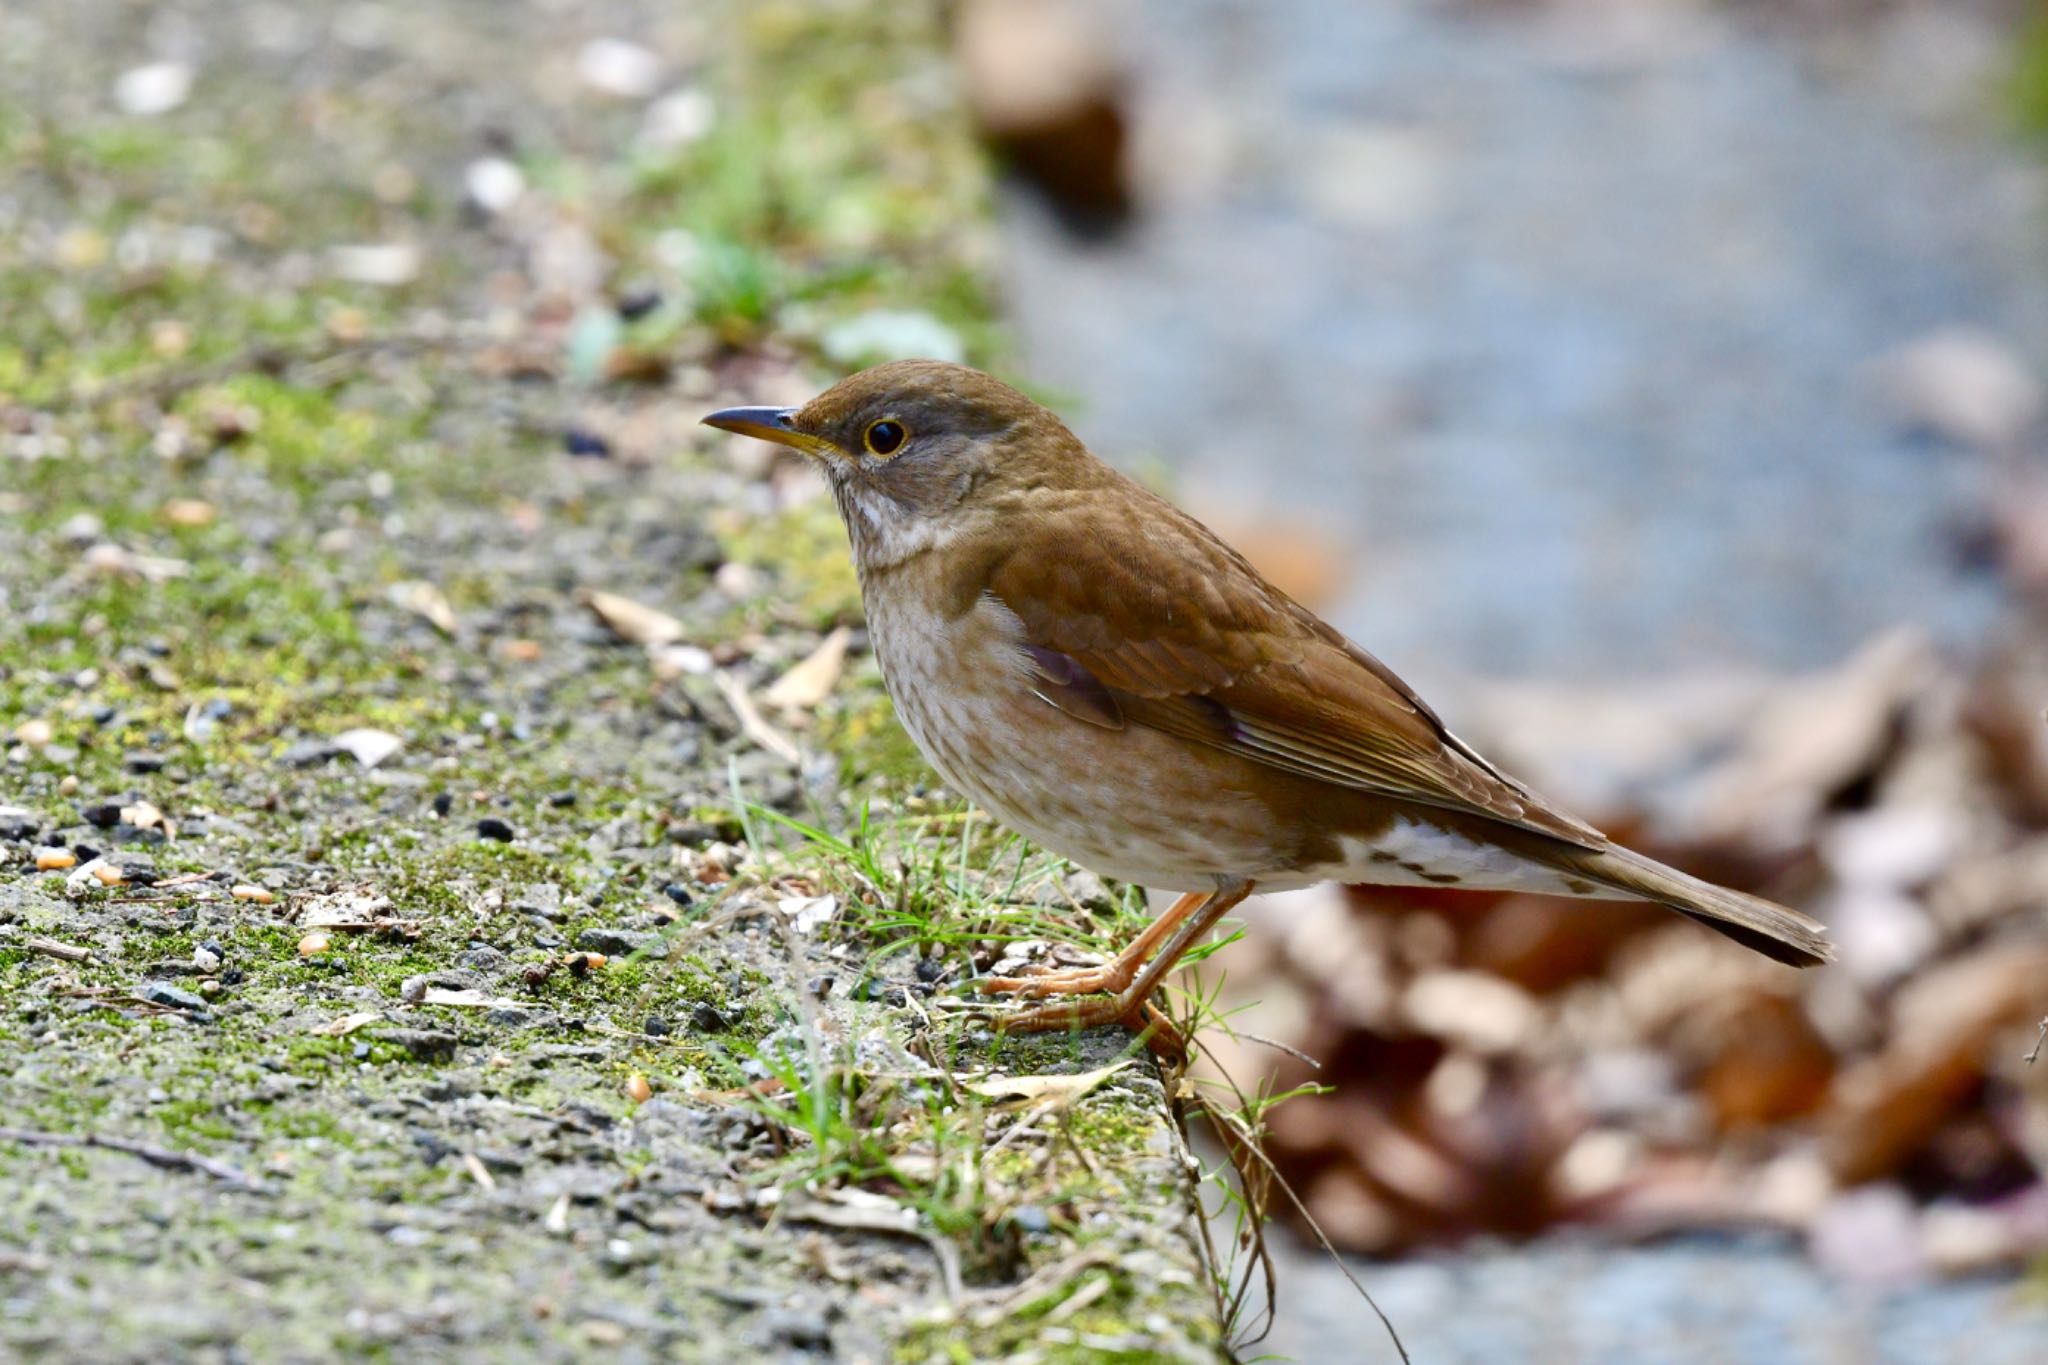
(1105, 676)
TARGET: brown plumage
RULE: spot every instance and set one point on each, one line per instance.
(1102, 673)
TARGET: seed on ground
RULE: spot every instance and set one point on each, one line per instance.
(51, 859)
(638, 1088)
(246, 892)
(312, 945)
(109, 875)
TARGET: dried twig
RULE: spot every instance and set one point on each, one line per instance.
(155, 1156)
(2034, 1054)
(50, 947)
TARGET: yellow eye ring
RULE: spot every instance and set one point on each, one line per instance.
(885, 437)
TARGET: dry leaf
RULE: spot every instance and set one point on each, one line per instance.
(347, 1024)
(144, 815)
(348, 909)
(629, 620)
(425, 601)
(468, 999)
(368, 747)
(751, 724)
(811, 681)
(1053, 1092)
(807, 913)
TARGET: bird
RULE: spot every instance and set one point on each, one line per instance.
(1104, 675)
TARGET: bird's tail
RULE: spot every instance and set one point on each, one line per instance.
(1769, 928)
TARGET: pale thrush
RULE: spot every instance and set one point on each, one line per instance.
(1101, 673)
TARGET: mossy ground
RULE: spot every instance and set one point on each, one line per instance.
(225, 471)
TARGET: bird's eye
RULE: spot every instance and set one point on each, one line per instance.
(885, 437)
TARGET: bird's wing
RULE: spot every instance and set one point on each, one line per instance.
(1154, 621)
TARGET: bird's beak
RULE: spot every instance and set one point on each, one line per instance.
(770, 424)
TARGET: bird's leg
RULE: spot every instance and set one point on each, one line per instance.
(1114, 975)
(1128, 1004)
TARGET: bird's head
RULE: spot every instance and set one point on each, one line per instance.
(917, 450)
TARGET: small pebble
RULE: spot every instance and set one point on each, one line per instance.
(413, 990)
(35, 733)
(635, 304)
(443, 803)
(708, 1019)
(54, 859)
(69, 786)
(638, 1089)
(562, 799)
(678, 893)
(209, 987)
(312, 945)
(491, 827)
(656, 1026)
(246, 892)
(205, 959)
(108, 875)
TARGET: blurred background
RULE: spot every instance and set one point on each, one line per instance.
(1656, 384)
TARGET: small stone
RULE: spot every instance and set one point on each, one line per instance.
(491, 827)
(246, 892)
(797, 1329)
(312, 945)
(138, 868)
(308, 753)
(678, 893)
(18, 823)
(1031, 1218)
(638, 1090)
(35, 733)
(102, 817)
(386, 264)
(163, 993)
(413, 989)
(616, 67)
(55, 859)
(205, 959)
(638, 303)
(69, 786)
(493, 184)
(561, 800)
(678, 119)
(189, 513)
(158, 88)
(586, 445)
(708, 1019)
(443, 803)
(656, 1027)
(620, 942)
(209, 988)
(143, 761)
(423, 1045)
(108, 875)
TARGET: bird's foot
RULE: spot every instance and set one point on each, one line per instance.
(1112, 976)
(1128, 1008)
